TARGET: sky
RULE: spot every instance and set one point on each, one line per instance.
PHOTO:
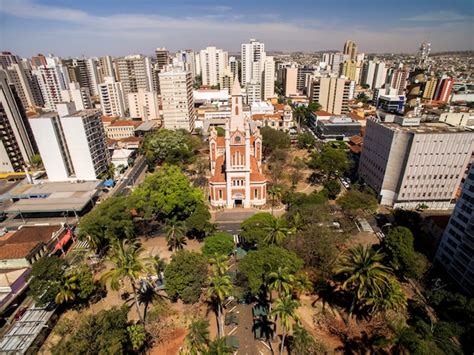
(121, 27)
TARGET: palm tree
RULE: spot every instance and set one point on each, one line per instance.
(175, 234)
(364, 274)
(67, 287)
(302, 343)
(302, 284)
(220, 264)
(392, 298)
(297, 222)
(275, 193)
(197, 338)
(219, 347)
(127, 264)
(285, 309)
(276, 230)
(159, 265)
(281, 280)
(220, 287)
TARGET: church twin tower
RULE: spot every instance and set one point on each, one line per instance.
(236, 161)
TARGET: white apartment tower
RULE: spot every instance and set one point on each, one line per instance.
(409, 163)
(177, 99)
(112, 98)
(213, 63)
(80, 96)
(18, 76)
(106, 68)
(144, 105)
(134, 72)
(456, 250)
(52, 80)
(252, 59)
(268, 83)
(72, 143)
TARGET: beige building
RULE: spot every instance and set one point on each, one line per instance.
(121, 129)
(349, 69)
(112, 101)
(430, 88)
(333, 94)
(134, 72)
(409, 163)
(290, 80)
(144, 105)
(177, 100)
(213, 63)
(461, 119)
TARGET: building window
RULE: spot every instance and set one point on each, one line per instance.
(220, 194)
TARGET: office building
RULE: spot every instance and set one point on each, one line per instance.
(144, 105)
(252, 61)
(333, 94)
(134, 72)
(177, 100)
(237, 179)
(337, 128)
(391, 103)
(17, 144)
(350, 49)
(268, 83)
(213, 63)
(72, 143)
(456, 250)
(162, 58)
(444, 90)
(290, 81)
(111, 97)
(409, 163)
(77, 94)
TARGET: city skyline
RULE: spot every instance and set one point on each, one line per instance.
(98, 28)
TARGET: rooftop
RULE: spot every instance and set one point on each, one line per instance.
(427, 127)
(125, 123)
(83, 113)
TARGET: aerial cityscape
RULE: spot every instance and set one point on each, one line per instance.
(236, 178)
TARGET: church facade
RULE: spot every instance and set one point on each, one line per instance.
(236, 161)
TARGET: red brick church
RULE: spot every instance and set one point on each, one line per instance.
(236, 161)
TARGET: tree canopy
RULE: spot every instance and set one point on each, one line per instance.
(170, 146)
(273, 139)
(199, 223)
(354, 201)
(257, 264)
(306, 140)
(44, 279)
(166, 194)
(253, 228)
(221, 243)
(398, 246)
(330, 161)
(110, 220)
(185, 275)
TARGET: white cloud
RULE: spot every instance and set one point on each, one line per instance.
(440, 16)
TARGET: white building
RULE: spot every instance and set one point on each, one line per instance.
(52, 80)
(144, 105)
(254, 92)
(111, 98)
(72, 144)
(213, 63)
(188, 58)
(409, 163)
(18, 76)
(93, 76)
(105, 68)
(177, 100)
(134, 72)
(268, 85)
(333, 94)
(252, 58)
(374, 74)
(290, 80)
(80, 96)
(456, 250)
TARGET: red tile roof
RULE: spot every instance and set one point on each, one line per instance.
(322, 113)
(125, 123)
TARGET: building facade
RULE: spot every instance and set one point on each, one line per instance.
(111, 97)
(235, 159)
(456, 250)
(409, 163)
(213, 63)
(333, 94)
(144, 105)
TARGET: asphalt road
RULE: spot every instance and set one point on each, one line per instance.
(131, 176)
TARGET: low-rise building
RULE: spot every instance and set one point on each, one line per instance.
(122, 129)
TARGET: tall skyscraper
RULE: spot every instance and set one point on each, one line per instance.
(408, 162)
(72, 143)
(177, 99)
(17, 144)
(213, 63)
(188, 57)
(456, 250)
(162, 58)
(333, 94)
(350, 49)
(252, 59)
(112, 99)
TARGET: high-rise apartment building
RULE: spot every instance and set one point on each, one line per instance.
(254, 92)
(162, 58)
(112, 99)
(7, 59)
(399, 79)
(177, 99)
(144, 105)
(456, 250)
(334, 60)
(213, 63)
(350, 49)
(374, 74)
(303, 73)
(52, 79)
(38, 61)
(444, 90)
(409, 163)
(106, 68)
(227, 79)
(134, 72)
(333, 94)
(268, 82)
(188, 57)
(349, 69)
(234, 66)
(430, 88)
(19, 77)
(77, 94)
(17, 144)
(72, 143)
(252, 59)
(290, 81)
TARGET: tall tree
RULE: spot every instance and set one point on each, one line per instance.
(277, 231)
(330, 161)
(353, 202)
(220, 264)
(197, 338)
(285, 309)
(68, 285)
(281, 281)
(129, 264)
(304, 344)
(363, 274)
(175, 234)
(275, 193)
(44, 277)
(220, 287)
